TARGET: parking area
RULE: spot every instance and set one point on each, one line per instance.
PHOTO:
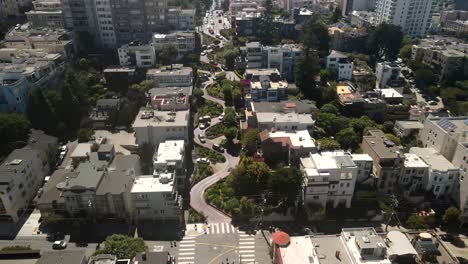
(123, 141)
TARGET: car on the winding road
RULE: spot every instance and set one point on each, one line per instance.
(59, 244)
(203, 160)
(201, 137)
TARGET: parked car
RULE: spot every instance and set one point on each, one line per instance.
(203, 160)
(59, 244)
(203, 53)
(203, 126)
(432, 103)
(218, 148)
(201, 137)
(221, 116)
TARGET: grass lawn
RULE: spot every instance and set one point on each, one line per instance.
(212, 155)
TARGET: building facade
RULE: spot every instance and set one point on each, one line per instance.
(340, 63)
(413, 16)
(46, 14)
(175, 75)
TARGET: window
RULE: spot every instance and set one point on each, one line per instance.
(315, 197)
(347, 184)
(341, 184)
(162, 211)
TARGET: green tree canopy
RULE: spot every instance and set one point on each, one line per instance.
(424, 77)
(230, 117)
(385, 41)
(405, 52)
(328, 144)
(348, 139)
(84, 134)
(250, 140)
(329, 108)
(230, 133)
(13, 128)
(124, 247)
(451, 216)
(167, 55)
(286, 182)
(249, 176)
(361, 124)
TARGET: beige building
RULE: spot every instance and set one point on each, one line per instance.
(174, 75)
(388, 160)
(46, 13)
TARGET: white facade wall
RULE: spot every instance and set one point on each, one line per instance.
(414, 16)
(343, 69)
(23, 186)
(105, 24)
(155, 135)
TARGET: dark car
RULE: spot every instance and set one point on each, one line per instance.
(218, 148)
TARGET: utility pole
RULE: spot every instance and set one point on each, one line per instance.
(393, 205)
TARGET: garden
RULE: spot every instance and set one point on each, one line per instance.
(212, 155)
(201, 172)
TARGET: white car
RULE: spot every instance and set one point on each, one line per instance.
(59, 244)
(203, 126)
(221, 116)
(203, 53)
(203, 160)
(201, 137)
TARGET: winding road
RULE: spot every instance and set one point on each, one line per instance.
(197, 201)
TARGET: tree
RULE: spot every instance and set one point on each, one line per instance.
(230, 56)
(451, 216)
(385, 41)
(13, 128)
(84, 64)
(247, 206)
(314, 35)
(329, 108)
(84, 134)
(327, 75)
(418, 222)
(250, 140)
(122, 246)
(328, 144)
(52, 219)
(336, 15)
(265, 27)
(286, 182)
(230, 133)
(388, 126)
(229, 119)
(424, 77)
(249, 176)
(331, 123)
(227, 92)
(146, 152)
(225, 5)
(167, 55)
(236, 97)
(393, 138)
(232, 205)
(348, 139)
(405, 52)
(360, 125)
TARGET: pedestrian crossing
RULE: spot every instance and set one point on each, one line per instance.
(246, 248)
(186, 253)
(220, 228)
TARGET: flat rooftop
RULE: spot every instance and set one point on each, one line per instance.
(433, 158)
(413, 161)
(296, 139)
(154, 118)
(390, 93)
(453, 125)
(164, 91)
(170, 150)
(148, 183)
(166, 70)
(382, 147)
(409, 124)
(300, 107)
(284, 118)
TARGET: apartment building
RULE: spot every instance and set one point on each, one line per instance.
(363, 19)
(46, 13)
(175, 75)
(264, 85)
(388, 160)
(181, 19)
(282, 107)
(283, 57)
(137, 53)
(24, 70)
(455, 21)
(330, 179)
(414, 176)
(407, 128)
(413, 16)
(449, 136)
(444, 178)
(388, 74)
(340, 63)
(285, 121)
(99, 186)
(443, 55)
(153, 127)
(183, 41)
(237, 6)
(348, 6)
(14, 8)
(346, 39)
(170, 158)
(46, 39)
(246, 22)
(287, 147)
(79, 17)
(21, 175)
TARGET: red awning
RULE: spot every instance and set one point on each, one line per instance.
(280, 238)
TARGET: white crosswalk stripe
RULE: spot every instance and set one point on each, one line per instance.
(186, 250)
(220, 228)
(246, 248)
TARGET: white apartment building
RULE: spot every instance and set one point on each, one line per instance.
(175, 75)
(364, 164)
(46, 13)
(449, 136)
(443, 178)
(21, 175)
(348, 6)
(340, 63)
(414, 175)
(170, 158)
(285, 121)
(137, 53)
(155, 198)
(154, 127)
(183, 41)
(330, 178)
(413, 16)
(387, 74)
